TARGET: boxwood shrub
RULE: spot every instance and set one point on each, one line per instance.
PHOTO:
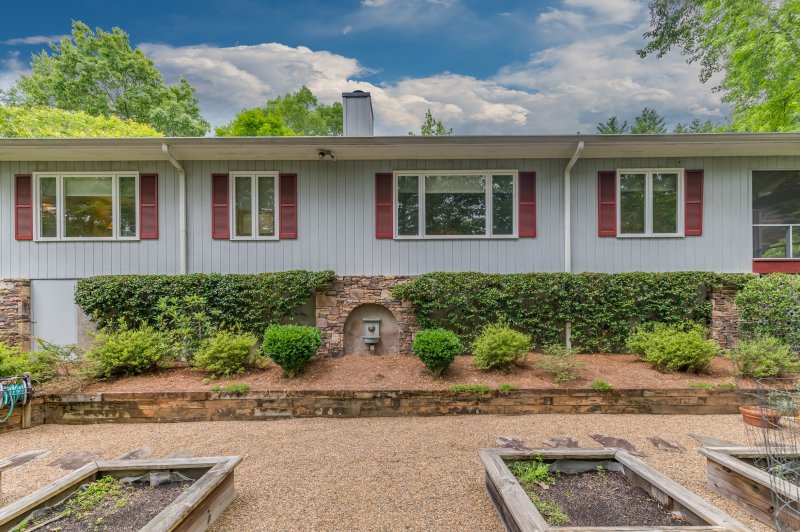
(498, 345)
(126, 351)
(291, 346)
(680, 347)
(603, 308)
(226, 353)
(245, 302)
(437, 348)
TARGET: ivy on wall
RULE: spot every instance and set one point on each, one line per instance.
(246, 302)
(602, 308)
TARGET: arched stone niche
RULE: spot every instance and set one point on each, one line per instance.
(354, 331)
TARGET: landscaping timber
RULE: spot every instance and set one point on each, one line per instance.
(519, 514)
(193, 510)
(730, 472)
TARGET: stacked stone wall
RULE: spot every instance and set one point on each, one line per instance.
(15, 312)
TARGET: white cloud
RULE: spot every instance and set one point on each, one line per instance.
(609, 11)
(34, 39)
(10, 70)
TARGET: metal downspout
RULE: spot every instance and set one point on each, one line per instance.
(568, 226)
(182, 249)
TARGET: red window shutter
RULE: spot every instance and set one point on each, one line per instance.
(148, 206)
(527, 204)
(384, 215)
(606, 203)
(220, 205)
(23, 207)
(287, 194)
(693, 203)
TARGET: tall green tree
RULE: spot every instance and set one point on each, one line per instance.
(299, 113)
(753, 44)
(432, 127)
(696, 126)
(612, 126)
(648, 121)
(27, 122)
(99, 73)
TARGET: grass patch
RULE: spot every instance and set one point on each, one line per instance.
(233, 389)
(470, 388)
(712, 386)
(506, 388)
(600, 385)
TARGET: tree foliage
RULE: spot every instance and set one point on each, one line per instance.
(99, 73)
(432, 128)
(753, 44)
(28, 122)
(299, 113)
(696, 126)
(612, 126)
(648, 121)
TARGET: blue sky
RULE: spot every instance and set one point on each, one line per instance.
(484, 67)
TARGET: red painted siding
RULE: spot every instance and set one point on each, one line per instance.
(776, 265)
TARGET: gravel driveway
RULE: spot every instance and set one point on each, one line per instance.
(368, 473)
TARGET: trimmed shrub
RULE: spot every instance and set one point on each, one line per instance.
(242, 302)
(770, 305)
(560, 363)
(437, 348)
(125, 351)
(291, 346)
(603, 308)
(186, 322)
(498, 345)
(42, 365)
(681, 347)
(226, 353)
(763, 356)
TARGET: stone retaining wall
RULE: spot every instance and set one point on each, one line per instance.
(15, 312)
(335, 304)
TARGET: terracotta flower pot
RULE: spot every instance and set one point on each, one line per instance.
(760, 417)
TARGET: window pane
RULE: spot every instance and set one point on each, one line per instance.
(127, 206)
(243, 206)
(631, 203)
(665, 203)
(266, 205)
(408, 205)
(455, 205)
(776, 197)
(770, 242)
(48, 222)
(502, 205)
(88, 207)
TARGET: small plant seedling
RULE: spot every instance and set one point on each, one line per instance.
(470, 388)
(505, 388)
(602, 473)
(552, 512)
(600, 385)
(533, 473)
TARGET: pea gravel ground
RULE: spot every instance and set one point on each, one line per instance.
(368, 473)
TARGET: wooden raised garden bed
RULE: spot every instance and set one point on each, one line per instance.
(664, 499)
(194, 492)
(739, 474)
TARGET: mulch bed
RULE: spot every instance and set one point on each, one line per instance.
(399, 372)
(607, 499)
(143, 504)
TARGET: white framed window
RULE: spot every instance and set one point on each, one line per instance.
(776, 215)
(455, 204)
(254, 205)
(86, 206)
(650, 202)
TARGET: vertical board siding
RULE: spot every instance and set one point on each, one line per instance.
(336, 224)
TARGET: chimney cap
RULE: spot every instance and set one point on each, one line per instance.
(356, 94)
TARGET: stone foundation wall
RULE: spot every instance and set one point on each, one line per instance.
(725, 319)
(15, 312)
(335, 304)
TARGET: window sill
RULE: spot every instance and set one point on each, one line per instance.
(255, 239)
(51, 240)
(459, 237)
(651, 236)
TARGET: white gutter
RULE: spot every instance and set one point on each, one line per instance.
(568, 227)
(182, 249)
(568, 208)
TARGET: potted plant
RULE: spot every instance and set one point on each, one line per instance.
(759, 416)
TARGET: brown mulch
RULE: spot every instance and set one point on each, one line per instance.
(607, 499)
(400, 372)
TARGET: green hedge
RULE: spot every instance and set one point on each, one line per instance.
(603, 308)
(246, 302)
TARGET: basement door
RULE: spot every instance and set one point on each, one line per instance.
(54, 315)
